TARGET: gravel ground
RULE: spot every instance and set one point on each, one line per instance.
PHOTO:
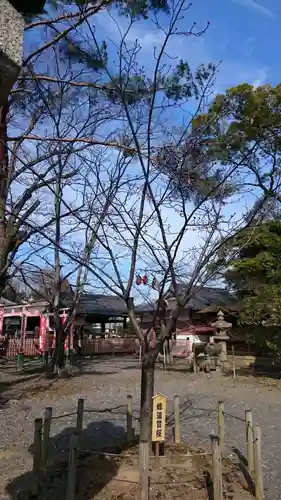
(104, 383)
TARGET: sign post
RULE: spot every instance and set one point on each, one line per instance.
(159, 406)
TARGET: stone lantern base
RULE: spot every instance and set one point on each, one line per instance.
(11, 47)
(222, 340)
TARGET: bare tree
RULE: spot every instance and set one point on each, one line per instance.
(168, 226)
(76, 200)
(23, 115)
(162, 204)
(135, 231)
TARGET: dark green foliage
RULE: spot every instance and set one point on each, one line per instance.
(254, 272)
(96, 59)
(191, 166)
(243, 127)
(258, 260)
(189, 171)
(141, 8)
(134, 8)
(183, 84)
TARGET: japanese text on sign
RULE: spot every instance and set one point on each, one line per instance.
(159, 418)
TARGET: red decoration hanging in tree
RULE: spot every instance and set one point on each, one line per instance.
(138, 280)
(145, 280)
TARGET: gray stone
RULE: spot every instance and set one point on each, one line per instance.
(222, 328)
(11, 47)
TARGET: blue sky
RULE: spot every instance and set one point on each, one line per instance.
(243, 34)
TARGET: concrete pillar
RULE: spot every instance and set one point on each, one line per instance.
(11, 47)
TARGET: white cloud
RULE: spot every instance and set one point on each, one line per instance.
(254, 5)
(235, 72)
(260, 78)
(151, 38)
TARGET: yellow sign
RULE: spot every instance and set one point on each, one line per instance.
(159, 404)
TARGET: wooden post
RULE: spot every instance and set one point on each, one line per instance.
(249, 441)
(177, 430)
(37, 454)
(129, 419)
(221, 425)
(194, 358)
(46, 434)
(157, 448)
(233, 364)
(20, 357)
(216, 469)
(72, 466)
(79, 420)
(165, 355)
(258, 463)
(144, 470)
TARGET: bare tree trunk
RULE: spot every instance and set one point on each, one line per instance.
(3, 194)
(58, 359)
(147, 393)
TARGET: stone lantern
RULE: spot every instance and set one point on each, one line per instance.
(11, 47)
(222, 327)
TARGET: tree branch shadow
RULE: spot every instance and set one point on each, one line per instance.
(94, 471)
(243, 464)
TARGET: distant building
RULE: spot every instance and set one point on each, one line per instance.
(201, 309)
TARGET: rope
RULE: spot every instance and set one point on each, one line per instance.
(104, 410)
(64, 415)
(118, 455)
(90, 410)
(158, 483)
(101, 453)
(170, 418)
(171, 483)
(234, 416)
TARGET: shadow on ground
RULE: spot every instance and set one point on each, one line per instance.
(258, 371)
(93, 471)
(10, 390)
(34, 379)
(243, 464)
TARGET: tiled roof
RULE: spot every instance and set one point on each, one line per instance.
(108, 305)
(6, 302)
(203, 297)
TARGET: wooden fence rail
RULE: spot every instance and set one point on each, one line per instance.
(42, 446)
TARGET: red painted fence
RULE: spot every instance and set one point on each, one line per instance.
(126, 345)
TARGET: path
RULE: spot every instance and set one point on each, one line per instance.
(105, 383)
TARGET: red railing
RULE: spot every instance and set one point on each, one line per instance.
(12, 347)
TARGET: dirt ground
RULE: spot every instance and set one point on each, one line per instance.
(104, 384)
(181, 473)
